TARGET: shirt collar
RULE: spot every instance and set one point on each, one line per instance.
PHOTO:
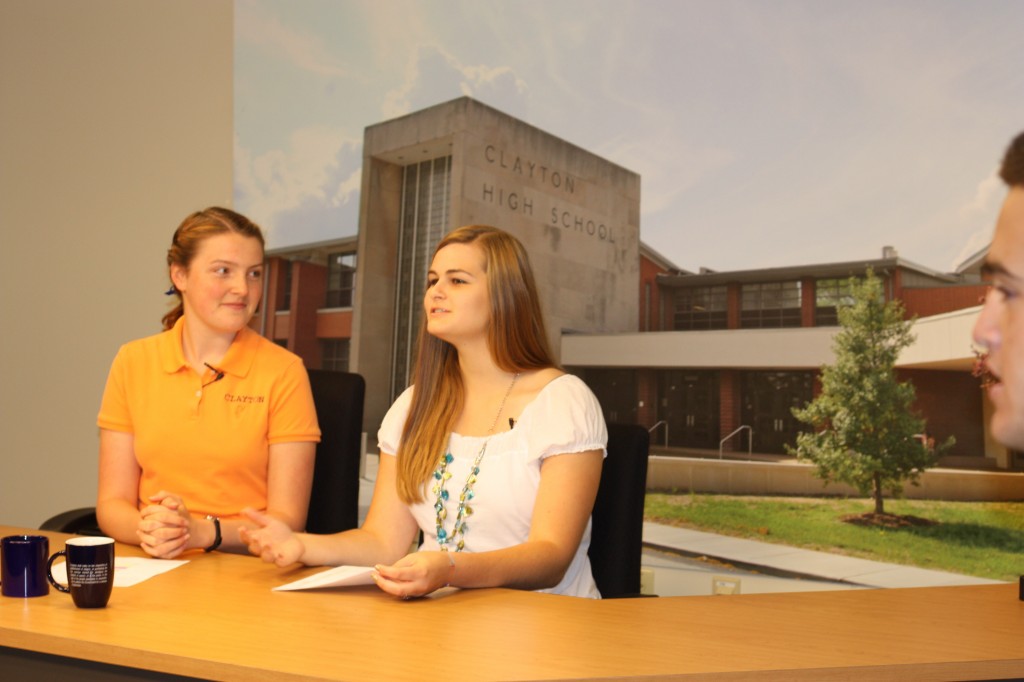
(240, 356)
(237, 362)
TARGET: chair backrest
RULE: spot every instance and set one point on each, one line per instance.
(616, 539)
(334, 500)
(81, 521)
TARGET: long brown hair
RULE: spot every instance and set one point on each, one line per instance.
(516, 337)
(190, 234)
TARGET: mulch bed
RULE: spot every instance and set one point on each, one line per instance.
(886, 520)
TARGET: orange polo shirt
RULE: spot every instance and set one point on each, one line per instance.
(209, 444)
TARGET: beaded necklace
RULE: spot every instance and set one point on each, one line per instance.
(441, 476)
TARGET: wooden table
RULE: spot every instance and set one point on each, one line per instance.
(217, 618)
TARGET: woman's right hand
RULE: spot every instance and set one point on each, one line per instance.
(273, 541)
(164, 526)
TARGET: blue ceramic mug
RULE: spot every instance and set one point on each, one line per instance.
(23, 565)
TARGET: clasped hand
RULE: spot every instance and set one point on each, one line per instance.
(165, 526)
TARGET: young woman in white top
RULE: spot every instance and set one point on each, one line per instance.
(494, 453)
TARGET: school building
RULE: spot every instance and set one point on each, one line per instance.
(711, 362)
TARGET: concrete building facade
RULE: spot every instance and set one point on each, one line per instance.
(461, 163)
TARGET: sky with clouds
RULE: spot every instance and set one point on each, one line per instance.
(766, 132)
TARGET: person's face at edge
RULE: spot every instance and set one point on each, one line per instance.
(457, 301)
(222, 286)
(1000, 327)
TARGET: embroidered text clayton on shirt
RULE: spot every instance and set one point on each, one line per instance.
(232, 398)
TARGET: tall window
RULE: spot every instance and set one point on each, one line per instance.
(829, 294)
(341, 279)
(334, 354)
(424, 220)
(770, 304)
(700, 308)
(647, 307)
(285, 302)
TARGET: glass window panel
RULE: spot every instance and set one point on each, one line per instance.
(829, 295)
(334, 354)
(341, 279)
(424, 220)
(285, 302)
(770, 304)
(700, 308)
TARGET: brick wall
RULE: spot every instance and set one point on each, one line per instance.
(934, 301)
(729, 408)
(647, 392)
(808, 301)
(952, 404)
(309, 293)
(648, 281)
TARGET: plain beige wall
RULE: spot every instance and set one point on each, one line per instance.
(116, 120)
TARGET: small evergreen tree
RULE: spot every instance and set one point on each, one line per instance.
(864, 428)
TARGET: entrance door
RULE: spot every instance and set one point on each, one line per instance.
(616, 390)
(689, 403)
(768, 400)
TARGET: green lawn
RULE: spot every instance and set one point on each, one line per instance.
(984, 539)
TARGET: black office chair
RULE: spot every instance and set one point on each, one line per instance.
(334, 499)
(616, 538)
(81, 521)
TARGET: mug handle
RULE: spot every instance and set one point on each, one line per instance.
(49, 570)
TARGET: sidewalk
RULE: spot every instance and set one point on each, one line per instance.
(785, 561)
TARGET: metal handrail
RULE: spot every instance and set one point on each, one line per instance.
(651, 430)
(750, 442)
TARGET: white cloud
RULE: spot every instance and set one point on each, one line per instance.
(320, 165)
(987, 197)
(668, 165)
(433, 75)
(348, 189)
(302, 49)
(975, 243)
(978, 216)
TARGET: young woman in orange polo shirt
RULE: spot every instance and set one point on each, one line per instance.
(207, 417)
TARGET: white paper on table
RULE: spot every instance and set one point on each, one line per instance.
(128, 571)
(342, 576)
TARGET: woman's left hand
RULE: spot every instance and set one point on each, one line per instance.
(414, 575)
(164, 526)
